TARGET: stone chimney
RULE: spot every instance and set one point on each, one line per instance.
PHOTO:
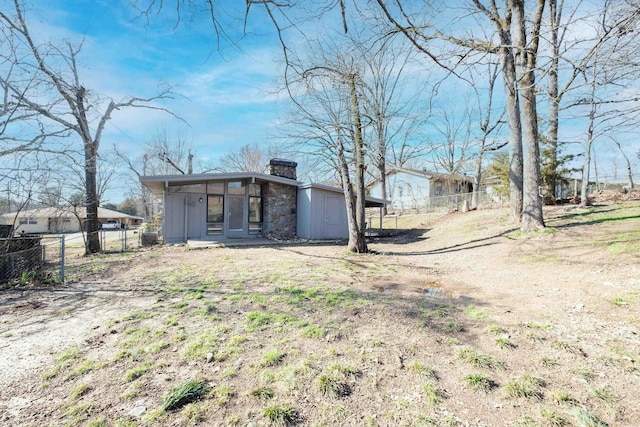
(283, 168)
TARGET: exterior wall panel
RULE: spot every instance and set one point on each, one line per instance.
(304, 213)
(174, 218)
(326, 206)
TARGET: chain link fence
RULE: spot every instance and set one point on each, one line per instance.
(434, 207)
(448, 203)
(31, 259)
(36, 259)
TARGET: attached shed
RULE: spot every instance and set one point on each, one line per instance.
(322, 212)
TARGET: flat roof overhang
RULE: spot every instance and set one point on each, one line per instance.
(157, 183)
(370, 202)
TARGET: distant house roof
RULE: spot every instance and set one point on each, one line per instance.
(436, 176)
(67, 212)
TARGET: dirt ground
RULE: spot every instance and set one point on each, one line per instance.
(562, 306)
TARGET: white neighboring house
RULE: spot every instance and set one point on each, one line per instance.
(414, 189)
(61, 220)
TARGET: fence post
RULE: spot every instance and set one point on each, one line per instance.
(62, 258)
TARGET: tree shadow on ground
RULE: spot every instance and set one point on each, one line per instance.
(471, 244)
(596, 221)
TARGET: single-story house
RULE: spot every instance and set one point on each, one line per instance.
(250, 204)
(61, 219)
(413, 189)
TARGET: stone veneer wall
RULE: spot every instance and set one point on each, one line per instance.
(280, 208)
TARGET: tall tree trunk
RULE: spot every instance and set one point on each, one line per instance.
(553, 115)
(584, 190)
(360, 245)
(477, 177)
(628, 163)
(91, 173)
(354, 232)
(515, 131)
(512, 106)
(526, 56)
(146, 197)
(382, 165)
(91, 201)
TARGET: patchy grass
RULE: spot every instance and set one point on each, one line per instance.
(473, 312)
(504, 343)
(568, 347)
(272, 357)
(604, 394)
(80, 390)
(553, 418)
(423, 370)
(137, 372)
(527, 386)
(563, 397)
(336, 380)
(83, 368)
(477, 359)
(620, 301)
(496, 330)
(262, 393)
(479, 382)
(282, 414)
(432, 394)
(183, 394)
(584, 418)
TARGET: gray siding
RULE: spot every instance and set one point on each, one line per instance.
(174, 216)
(304, 213)
(197, 213)
(322, 214)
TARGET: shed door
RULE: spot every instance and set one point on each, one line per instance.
(333, 217)
(196, 214)
(236, 216)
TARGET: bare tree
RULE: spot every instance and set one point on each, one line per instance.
(518, 41)
(451, 151)
(571, 56)
(69, 105)
(168, 154)
(627, 162)
(328, 114)
(518, 51)
(527, 41)
(555, 41)
(247, 158)
(164, 154)
(390, 112)
(488, 125)
(606, 62)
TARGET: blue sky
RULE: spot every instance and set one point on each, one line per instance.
(223, 92)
